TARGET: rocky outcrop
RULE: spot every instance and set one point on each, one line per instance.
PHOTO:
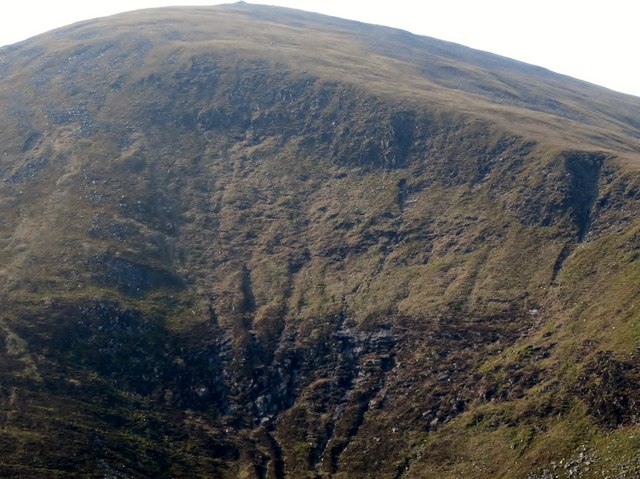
(254, 255)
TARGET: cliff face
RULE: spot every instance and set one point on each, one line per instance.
(252, 242)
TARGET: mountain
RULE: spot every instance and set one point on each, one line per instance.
(251, 242)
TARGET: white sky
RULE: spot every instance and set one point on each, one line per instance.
(595, 40)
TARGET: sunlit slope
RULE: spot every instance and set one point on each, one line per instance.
(247, 241)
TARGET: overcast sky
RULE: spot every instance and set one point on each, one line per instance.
(593, 40)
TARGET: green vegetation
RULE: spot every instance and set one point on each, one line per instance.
(251, 242)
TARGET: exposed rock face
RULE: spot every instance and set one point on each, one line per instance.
(230, 247)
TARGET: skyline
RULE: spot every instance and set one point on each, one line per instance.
(583, 40)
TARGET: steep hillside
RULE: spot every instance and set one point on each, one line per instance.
(246, 241)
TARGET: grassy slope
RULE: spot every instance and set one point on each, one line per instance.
(275, 243)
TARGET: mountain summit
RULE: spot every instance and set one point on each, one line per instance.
(251, 242)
